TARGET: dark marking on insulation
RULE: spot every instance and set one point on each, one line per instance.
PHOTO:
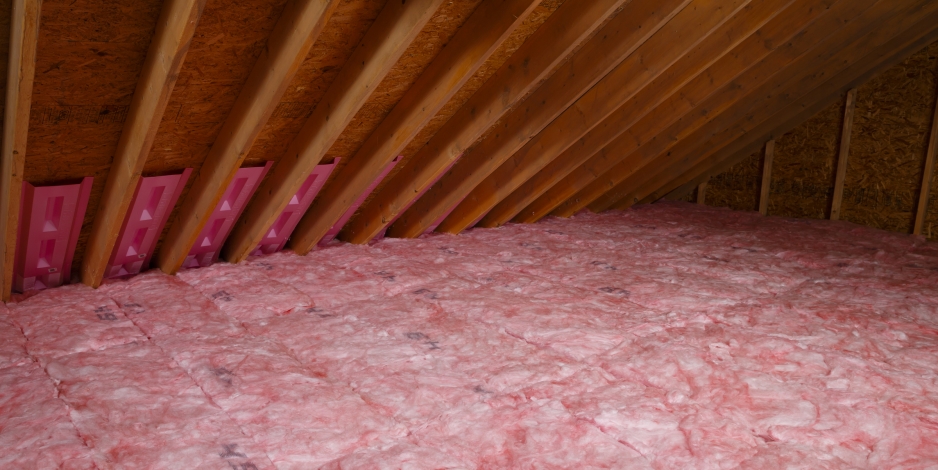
(615, 291)
(230, 450)
(223, 296)
(134, 307)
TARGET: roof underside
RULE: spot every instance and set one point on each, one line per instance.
(546, 107)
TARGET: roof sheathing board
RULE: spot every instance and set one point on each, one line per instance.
(891, 128)
(217, 66)
(502, 123)
(425, 47)
(517, 38)
(335, 44)
(227, 42)
(537, 17)
(818, 140)
(887, 154)
(88, 60)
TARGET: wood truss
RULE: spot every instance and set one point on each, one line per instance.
(502, 110)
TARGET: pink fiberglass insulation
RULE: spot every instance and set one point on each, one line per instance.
(35, 430)
(12, 341)
(139, 409)
(70, 320)
(244, 294)
(301, 419)
(144, 300)
(666, 336)
(133, 406)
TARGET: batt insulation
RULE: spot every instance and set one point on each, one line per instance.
(666, 336)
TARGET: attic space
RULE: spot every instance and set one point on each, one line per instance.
(668, 336)
(469, 234)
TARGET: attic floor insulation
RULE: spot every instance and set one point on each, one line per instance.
(667, 336)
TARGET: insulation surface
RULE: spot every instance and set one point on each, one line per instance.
(667, 336)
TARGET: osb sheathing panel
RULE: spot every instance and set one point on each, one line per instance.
(805, 161)
(429, 42)
(421, 52)
(802, 172)
(502, 54)
(228, 40)
(887, 153)
(425, 47)
(335, 44)
(498, 58)
(690, 196)
(88, 59)
(736, 188)
(500, 124)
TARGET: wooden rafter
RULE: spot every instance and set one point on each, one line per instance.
(814, 62)
(573, 119)
(567, 28)
(725, 154)
(816, 57)
(702, 192)
(774, 48)
(842, 156)
(921, 211)
(733, 36)
(386, 40)
(768, 157)
(618, 39)
(298, 27)
(488, 27)
(24, 35)
(682, 33)
(588, 132)
(168, 49)
(695, 161)
(663, 180)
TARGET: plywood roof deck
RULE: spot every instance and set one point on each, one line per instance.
(90, 56)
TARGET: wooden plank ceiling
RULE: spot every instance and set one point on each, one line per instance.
(502, 109)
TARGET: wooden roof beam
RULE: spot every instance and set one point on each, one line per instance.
(768, 156)
(486, 29)
(729, 21)
(386, 40)
(693, 25)
(698, 159)
(568, 27)
(841, 175)
(546, 168)
(662, 180)
(729, 147)
(287, 48)
(921, 211)
(751, 64)
(21, 70)
(754, 58)
(702, 192)
(168, 49)
(569, 173)
(813, 52)
(630, 28)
